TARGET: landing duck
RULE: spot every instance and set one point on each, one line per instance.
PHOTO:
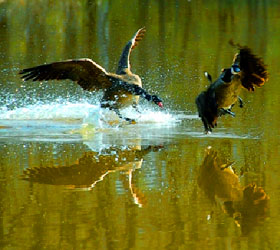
(247, 71)
(121, 89)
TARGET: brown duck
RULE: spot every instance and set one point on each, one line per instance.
(121, 89)
(248, 205)
(247, 71)
(93, 167)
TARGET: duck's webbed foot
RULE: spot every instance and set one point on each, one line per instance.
(241, 104)
(131, 121)
(227, 111)
(135, 106)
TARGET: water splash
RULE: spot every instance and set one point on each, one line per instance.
(60, 121)
(51, 111)
(85, 112)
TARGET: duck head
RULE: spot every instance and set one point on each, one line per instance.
(157, 101)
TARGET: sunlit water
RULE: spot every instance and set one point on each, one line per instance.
(54, 119)
(84, 121)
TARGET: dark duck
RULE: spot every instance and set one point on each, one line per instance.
(121, 89)
(247, 71)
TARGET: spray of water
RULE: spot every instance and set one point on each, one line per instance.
(85, 112)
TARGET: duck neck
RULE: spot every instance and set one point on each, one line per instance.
(123, 65)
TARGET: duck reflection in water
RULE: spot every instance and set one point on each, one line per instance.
(247, 71)
(247, 205)
(92, 168)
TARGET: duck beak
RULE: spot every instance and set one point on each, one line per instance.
(160, 104)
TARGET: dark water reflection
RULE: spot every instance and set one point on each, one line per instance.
(151, 185)
(124, 195)
(247, 205)
(93, 167)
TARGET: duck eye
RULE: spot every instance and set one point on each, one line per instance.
(236, 69)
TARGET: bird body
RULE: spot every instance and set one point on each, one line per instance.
(247, 71)
(118, 98)
(121, 89)
(226, 92)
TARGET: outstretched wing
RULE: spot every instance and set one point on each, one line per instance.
(88, 74)
(124, 64)
(253, 70)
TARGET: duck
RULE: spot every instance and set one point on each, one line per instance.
(247, 205)
(92, 168)
(121, 89)
(247, 71)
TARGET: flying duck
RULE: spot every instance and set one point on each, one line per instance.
(247, 71)
(121, 89)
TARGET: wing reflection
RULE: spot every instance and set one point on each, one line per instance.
(247, 205)
(92, 167)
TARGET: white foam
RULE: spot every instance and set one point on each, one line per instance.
(51, 111)
(157, 117)
(86, 113)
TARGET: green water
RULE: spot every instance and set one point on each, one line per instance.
(153, 184)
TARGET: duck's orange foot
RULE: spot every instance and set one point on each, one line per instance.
(132, 121)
